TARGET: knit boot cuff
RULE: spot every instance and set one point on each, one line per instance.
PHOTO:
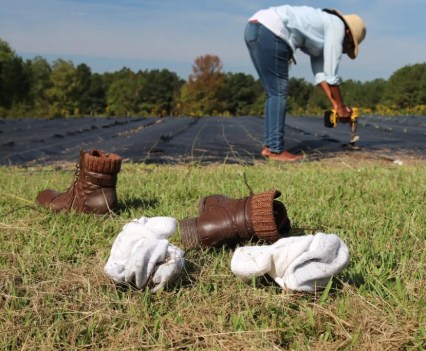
(267, 215)
(100, 162)
(189, 234)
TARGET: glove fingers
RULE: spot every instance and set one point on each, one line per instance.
(129, 276)
(165, 273)
(157, 255)
(141, 277)
(145, 255)
(170, 269)
(159, 284)
(135, 264)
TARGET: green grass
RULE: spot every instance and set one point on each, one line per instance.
(54, 295)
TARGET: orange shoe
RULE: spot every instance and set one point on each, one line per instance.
(265, 151)
(285, 156)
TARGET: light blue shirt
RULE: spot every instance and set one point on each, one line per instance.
(315, 32)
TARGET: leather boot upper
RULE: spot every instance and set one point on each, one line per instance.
(226, 221)
(94, 187)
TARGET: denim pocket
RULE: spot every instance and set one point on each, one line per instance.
(252, 32)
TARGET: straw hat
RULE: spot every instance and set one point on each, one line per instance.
(357, 28)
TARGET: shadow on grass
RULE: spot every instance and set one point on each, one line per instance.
(354, 279)
(135, 204)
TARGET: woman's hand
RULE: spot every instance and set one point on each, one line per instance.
(344, 112)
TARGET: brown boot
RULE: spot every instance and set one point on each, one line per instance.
(225, 221)
(93, 190)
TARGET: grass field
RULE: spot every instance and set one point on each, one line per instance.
(55, 296)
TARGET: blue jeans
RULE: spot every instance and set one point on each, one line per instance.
(270, 55)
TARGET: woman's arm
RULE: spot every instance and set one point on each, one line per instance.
(334, 95)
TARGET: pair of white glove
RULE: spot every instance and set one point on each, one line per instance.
(141, 252)
(304, 263)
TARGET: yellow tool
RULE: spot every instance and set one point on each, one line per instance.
(331, 119)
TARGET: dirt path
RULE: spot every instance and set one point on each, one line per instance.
(202, 140)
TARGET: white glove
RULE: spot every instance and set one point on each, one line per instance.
(303, 263)
(141, 249)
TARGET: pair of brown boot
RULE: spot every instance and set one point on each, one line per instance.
(221, 220)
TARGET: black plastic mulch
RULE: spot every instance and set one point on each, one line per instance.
(202, 140)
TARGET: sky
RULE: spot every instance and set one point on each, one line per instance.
(108, 35)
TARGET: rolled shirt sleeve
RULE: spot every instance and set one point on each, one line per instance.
(326, 66)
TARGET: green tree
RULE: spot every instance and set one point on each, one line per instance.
(299, 92)
(239, 94)
(201, 91)
(353, 93)
(65, 89)
(318, 102)
(372, 93)
(38, 89)
(96, 102)
(159, 91)
(123, 95)
(38, 71)
(84, 77)
(14, 85)
(406, 88)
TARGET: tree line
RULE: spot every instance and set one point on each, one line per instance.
(36, 88)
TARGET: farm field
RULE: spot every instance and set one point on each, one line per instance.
(55, 295)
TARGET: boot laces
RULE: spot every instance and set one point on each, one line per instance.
(77, 172)
(76, 176)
